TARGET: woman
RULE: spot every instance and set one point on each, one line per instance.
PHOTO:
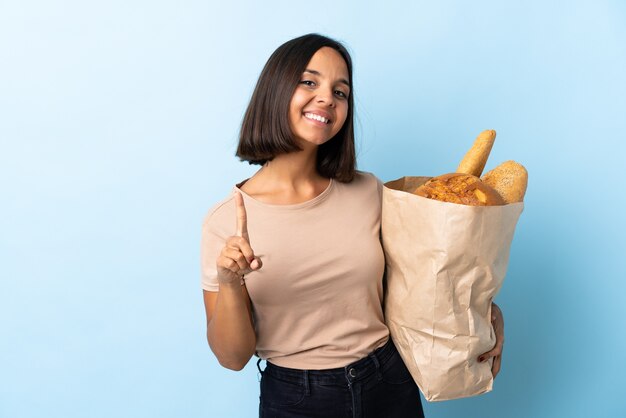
(300, 282)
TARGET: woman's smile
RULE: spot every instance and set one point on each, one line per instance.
(322, 118)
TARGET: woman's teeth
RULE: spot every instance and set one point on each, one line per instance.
(316, 117)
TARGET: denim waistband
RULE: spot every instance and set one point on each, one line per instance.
(358, 370)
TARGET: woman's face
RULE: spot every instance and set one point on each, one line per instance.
(319, 105)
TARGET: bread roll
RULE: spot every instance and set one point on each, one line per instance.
(474, 161)
(461, 188)
(509, 179)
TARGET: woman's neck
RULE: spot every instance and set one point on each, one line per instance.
(292, 170)
(287, 179)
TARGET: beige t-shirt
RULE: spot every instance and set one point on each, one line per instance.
(317, 300)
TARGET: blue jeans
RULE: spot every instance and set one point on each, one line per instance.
(378, 385)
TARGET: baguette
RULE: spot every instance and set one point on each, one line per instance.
(474, 161)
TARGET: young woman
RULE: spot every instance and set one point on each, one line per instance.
(292, 263)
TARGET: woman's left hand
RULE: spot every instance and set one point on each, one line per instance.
(497, 321)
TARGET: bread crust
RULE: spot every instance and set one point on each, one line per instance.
(475, 159)
(461, 188)
(509, 179)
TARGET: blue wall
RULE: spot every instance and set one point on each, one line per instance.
(118, 123)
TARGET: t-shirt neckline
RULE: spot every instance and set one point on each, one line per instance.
(317, 199)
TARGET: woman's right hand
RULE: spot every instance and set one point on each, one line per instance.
(237, 257)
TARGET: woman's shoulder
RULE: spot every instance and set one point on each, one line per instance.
(368, 179)
(221, 213)
(364, 184)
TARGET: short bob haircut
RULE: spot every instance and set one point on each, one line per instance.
(265, 130)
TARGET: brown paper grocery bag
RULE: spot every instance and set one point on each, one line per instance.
(444, 264)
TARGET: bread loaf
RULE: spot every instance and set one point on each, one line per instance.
(461, 188)
(509, 179)
(504, 184)
(475, 159)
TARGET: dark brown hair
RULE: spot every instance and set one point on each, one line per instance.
(265, 130)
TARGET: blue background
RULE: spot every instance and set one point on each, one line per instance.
(118, 125)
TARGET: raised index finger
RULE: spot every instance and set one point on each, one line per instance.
(242, 218)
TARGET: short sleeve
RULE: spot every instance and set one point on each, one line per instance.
(218, 225)
(210, 247)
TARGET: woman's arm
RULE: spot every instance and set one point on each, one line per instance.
(230, 330)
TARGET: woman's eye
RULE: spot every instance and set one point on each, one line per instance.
(308, 82)
(341, 94)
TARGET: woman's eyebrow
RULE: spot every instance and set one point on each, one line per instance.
(315, 72)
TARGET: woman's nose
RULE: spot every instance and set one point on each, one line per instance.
(326, 96)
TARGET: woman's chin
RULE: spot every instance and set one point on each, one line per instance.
(311, 142)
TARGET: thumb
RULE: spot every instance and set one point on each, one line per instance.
(256, 264)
